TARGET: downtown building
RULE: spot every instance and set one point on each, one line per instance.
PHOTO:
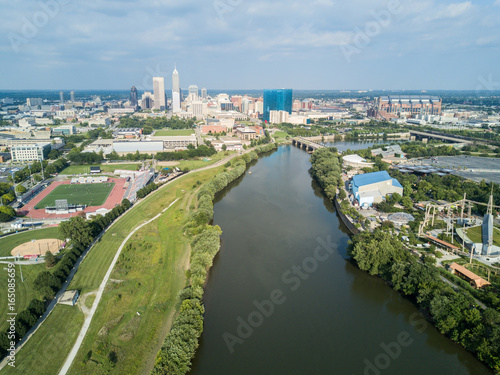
(159, 93)
(277, 100)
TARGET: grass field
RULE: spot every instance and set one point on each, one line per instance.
(105, 168)
(38, 355)
(199, 163)
(7, 243)
(171, 133)
(89, 194)
(280, 134)
(25, 291)
(474, 235)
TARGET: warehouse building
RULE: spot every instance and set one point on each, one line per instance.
(143, 147)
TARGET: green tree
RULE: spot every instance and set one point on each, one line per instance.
(77, 230)
(50, 260)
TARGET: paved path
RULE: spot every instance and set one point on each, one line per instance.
(100, 291)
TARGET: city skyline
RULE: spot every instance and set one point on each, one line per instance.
(324, 45)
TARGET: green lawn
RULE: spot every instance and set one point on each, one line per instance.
(24, 289)
(171, 133)
(89, 194)
(280, 134)
(43, 354)
(199, 163)
(474, 235)
(7, 243)
(105, 168)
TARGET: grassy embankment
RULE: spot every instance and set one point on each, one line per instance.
(24, 290)
(105, 168)
(147, 278)
(475, 236)
(200, 162)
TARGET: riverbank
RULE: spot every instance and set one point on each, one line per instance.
(176, 353)
(381, 254)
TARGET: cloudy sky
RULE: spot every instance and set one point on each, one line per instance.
(243, 44)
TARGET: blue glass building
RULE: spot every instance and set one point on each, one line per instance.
(277, 100)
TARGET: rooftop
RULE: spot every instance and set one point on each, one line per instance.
(373, 178)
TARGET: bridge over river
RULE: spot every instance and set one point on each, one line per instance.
(306, 144)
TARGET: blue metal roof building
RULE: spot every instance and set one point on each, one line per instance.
(372, 187)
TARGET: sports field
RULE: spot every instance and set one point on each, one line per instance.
(89, 194)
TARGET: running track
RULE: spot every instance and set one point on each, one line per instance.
(114, 198)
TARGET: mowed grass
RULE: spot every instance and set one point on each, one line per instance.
(25, 290)
(138, 342)
(105, 168)
(89, 194)
(174, 132)
(151, 271)
(280, 134)
(475, 235)
(200, 162)
(7, 243)
(42, 353)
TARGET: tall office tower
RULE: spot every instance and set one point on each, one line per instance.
(61, 97)
(176, 101)
(193, 91)
(72, 96)
(147, 100)
(277, 100)
(133, 97)
(159, 93)
(245, 105)
(176, 91)
(175, 82)
(204, 93)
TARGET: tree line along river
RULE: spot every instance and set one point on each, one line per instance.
(282, 298)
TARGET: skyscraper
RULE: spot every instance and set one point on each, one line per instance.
(133, 97)
(159, 93)
(72, 96)
(193, 91)
(176, 91)
(147, 100)
(277, 100)
(204, 93)
(61, 97)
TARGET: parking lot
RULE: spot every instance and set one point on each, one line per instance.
(471, 167)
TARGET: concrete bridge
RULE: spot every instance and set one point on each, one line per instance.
(440, 136)
(306, 144)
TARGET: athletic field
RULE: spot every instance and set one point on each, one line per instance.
(88, 194)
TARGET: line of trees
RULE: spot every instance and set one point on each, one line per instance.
(146, 190)
(326, 169)
(156, 123)
(182, 341)
(454, 313)
(24, 321)
(36, 167)
(81, 233)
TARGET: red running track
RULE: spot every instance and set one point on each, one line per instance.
(114, 198)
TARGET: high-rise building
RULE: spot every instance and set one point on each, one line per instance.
(197, 108)
(61, 97)
(176, 91)
(147, 100)
(193, 91)
(159, 93)
(277, 100)
(33, 102)
(133, 97)
(236, 99)
(176, 101)
(72, 96)
(204, 93)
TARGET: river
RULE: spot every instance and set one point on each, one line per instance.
(283, 299)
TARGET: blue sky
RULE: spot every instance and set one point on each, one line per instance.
(243, 44)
